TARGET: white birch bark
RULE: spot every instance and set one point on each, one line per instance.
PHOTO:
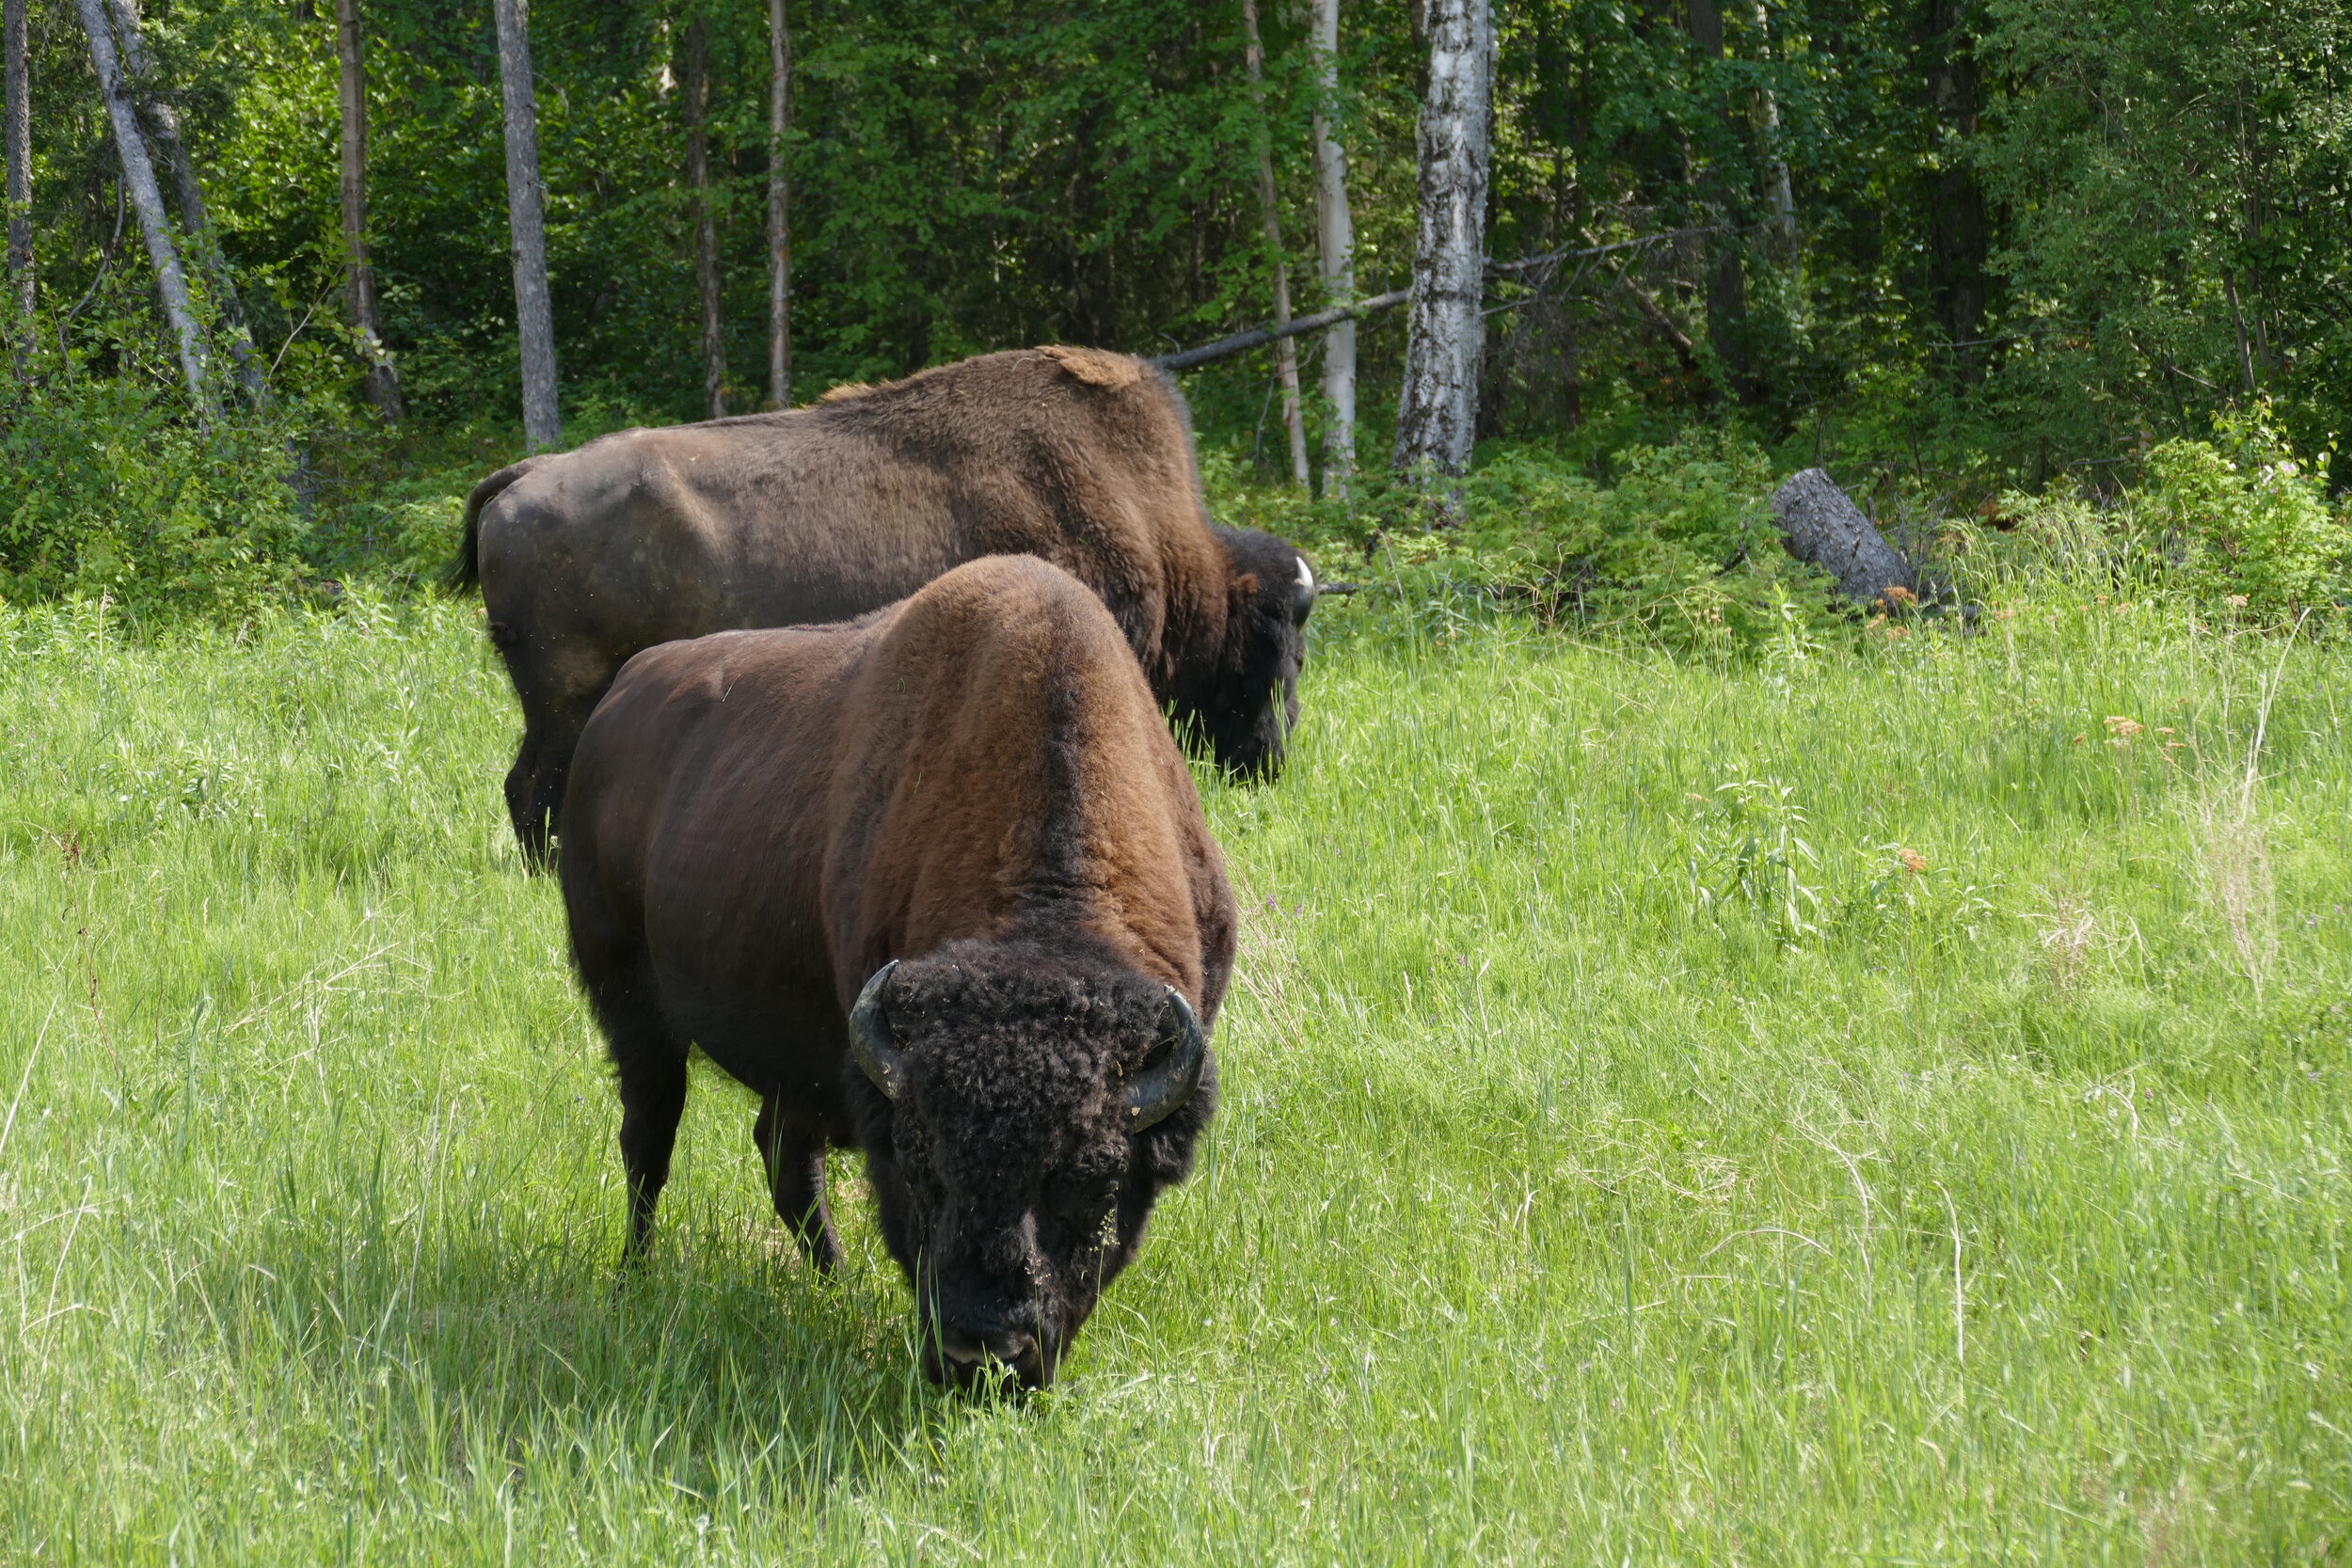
(534, 318)
(1437, 405)
(20, 178)
(138, 179)
(779, 208)
(1335, 235)
(379, 383)
(1777, 195)
(1270, 210)
(196, 224)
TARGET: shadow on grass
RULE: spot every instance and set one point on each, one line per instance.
(476, 1355)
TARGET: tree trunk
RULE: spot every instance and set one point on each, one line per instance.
(196, 224)
(1959, 238)
(139, 178)
(1777, 195)
(19, 181)
(706, 224)
(1335, 235)
(534, 318)
(1270, 211)
(1823, 526)
(1436, 412)
(779, 208)
(380, 383)
(1726, 280)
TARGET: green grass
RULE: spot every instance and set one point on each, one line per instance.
(1602, 1177)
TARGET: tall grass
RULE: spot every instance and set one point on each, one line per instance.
(1885, 1104)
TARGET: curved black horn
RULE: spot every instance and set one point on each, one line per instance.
(870, 1037)
(1162, 1091)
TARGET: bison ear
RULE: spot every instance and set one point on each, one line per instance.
(1246, 585)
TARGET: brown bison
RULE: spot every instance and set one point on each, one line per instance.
(935, 884)
(1080, 457)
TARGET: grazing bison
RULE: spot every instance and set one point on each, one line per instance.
(1080, 457)
(935, 884)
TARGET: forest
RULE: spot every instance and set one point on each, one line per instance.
(1949, 247)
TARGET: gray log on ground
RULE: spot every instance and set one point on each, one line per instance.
(1826, 529)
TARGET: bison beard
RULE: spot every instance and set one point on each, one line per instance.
(816, 514)
(935, 885)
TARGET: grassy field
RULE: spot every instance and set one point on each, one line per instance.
(1881, 1107)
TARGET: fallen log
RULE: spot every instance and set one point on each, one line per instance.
(1823, 526)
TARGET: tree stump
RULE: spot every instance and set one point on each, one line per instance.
(1823, 527)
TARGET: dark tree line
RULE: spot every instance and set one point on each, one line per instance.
(1971, 230)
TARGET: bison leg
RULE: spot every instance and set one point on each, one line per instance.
(652, 1073)
(534, 786)
(795, 1159)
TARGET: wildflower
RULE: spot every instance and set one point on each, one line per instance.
(2121, 730)
(1913, 861)
(2235, 601)
(2005, 615)
(2078, 740)
(1899, 596)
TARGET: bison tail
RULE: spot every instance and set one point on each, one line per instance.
(466, 571)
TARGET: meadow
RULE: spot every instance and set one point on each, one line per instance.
(1883, 1102)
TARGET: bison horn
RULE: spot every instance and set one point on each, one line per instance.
(870, 1037)
(1163, 1090)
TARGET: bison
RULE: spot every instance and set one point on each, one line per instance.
(1081, 457)
(935, 885)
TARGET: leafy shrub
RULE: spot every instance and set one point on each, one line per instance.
(2238, 523)
(108, 487)
(1680, 550)
(2249, 524)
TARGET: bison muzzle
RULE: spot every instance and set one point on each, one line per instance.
(935, 884)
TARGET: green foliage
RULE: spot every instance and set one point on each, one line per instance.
(1678, 551)
(2238, 523)
(1751, 856)
(111, 490)
(2257, 528)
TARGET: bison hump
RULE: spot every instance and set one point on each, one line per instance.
(1096, 367)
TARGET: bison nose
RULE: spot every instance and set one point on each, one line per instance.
(969, 1347)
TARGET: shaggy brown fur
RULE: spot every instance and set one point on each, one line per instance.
(976, 782)
(1080, 457)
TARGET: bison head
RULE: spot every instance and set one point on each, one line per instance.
(1245, 707)
(1024, 1115)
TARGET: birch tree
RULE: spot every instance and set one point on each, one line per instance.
(1777, 195)
(1269, 208)
(706, 224)
(1335, 236)
(162, 120)
(379, 383)
(534, 318)
(138, 179)
(779, 208)
(1437, 405)
(20, 177)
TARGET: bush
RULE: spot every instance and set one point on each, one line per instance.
(2249, 524)
(2238, 524)
(1680, 551)
(112, 490)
